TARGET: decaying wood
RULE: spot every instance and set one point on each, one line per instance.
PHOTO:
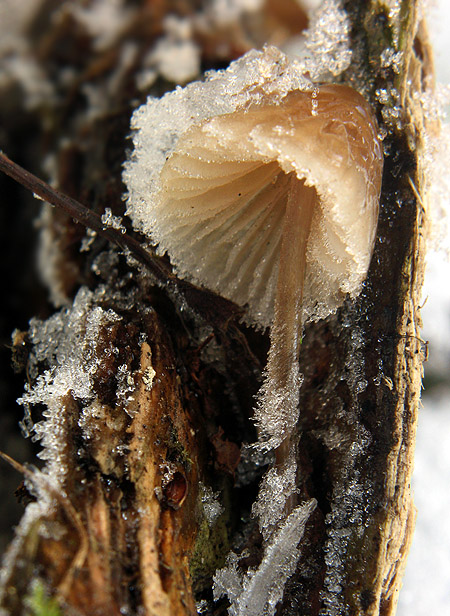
(128, 532)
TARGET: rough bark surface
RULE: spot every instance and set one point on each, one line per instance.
(129, 532)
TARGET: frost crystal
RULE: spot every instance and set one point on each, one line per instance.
(263, 123)
(224, 12)
(67, 342)
(161, 122)
(115, 222)
(260, 590)
(328, 41)
(355, 362)
(212, 507)
(277, 487)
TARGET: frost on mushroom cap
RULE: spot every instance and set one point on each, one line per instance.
(217, 201)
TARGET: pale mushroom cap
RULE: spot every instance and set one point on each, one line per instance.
(222, 197)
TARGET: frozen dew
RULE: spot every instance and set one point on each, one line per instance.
(212, 507)
(109, 220)
(148, 377)
(126, 387)
(19, 63)
(277, 487)
(67, 342)
(328, 41)
(354, 363)
(224, 12)
(88, 240)
(258, 591)
(159, 124)
(392, 59)
(49, 252)
(391, 110)
(236, 139)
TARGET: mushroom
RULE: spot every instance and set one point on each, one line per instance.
(275, 207)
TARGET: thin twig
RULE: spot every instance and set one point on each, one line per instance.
(126, 242)
(83, 215)
(36, 477)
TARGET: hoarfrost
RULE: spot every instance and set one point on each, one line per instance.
(258, 592)
(277, 487)
(351, 502)
(33, 513)
(24, 70)
(18, 58)
(274, 426)
(392, 59)
(328, 41)
(148, 376)
(98, 97)
(212, 507)
(159, 123)
(67, 342)
(391, 111)
(88, 240)
(250, 464)
(158, 127)
(49, 258)
(125, 387)
(354, 363)
(15, 17)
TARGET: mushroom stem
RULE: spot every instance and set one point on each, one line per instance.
(288, 315)
(280, 394)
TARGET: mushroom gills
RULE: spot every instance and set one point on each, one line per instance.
(275, 207)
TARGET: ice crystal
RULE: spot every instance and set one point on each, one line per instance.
(356, 378)
(258, 592)
(148, 376)
(160, 123)
(15, 18)
(19, 64)
(126, 387)
(212, 507)
(350, 500)
(49, 259)
(328, 41)
(392, 59)
(88, 240)
(275, 426)
(164, 132)
(277, 487)
(24, 70)
(67, 343)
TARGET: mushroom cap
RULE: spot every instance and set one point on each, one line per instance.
(222, 196)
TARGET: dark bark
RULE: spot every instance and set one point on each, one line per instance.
(128, 533)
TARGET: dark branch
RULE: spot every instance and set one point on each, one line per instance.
(84, 216)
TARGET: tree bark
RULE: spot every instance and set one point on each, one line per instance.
(135, 525)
